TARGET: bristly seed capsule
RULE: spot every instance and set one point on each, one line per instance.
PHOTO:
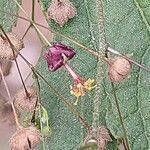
(23, 102)
(61, 11)
(119, 68)
(25, 139)
(5, 48)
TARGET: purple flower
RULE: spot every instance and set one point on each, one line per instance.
(57, 55)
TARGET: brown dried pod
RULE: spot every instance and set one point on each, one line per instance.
(119, 69)
(103, 137)
(25, 139)
(24, 102)
(5, 48)
(61, 11)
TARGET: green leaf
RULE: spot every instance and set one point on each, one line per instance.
(127, 30)
(5, 20)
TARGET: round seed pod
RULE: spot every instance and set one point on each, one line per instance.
(5, 48)
(61, 11)
(25, 139)
(24, 102)
(103, 137)
(119, 69)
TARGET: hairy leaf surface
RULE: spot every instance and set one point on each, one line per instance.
(127, 30)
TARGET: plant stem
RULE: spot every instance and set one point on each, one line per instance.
(91, 51)
(68, 105)
(13, 51)
(8, 93)
(33, 9)
(32, 22)
(26, 32)
(99, 77)
(103, 49)
(121, 119)
(129, 59)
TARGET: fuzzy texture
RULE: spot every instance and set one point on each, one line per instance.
(25, 139)
(61, 11)
(119, 69)
(103, 137)
(5, 49)
(22, 102)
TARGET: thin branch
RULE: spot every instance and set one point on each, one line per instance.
(33, 9)
(8, 93)
(126, 144)
(91, 51)
(26, 32)
(38, 99)
(129, 59)
(68, 105)
(32, 22)
(13, 51)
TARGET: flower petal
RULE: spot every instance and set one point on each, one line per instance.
(69, 52)
(54, 60)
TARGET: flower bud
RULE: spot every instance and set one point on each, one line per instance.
(119, 68)
(5, 48)
(24, 102)
(61, 11)
(25, 139)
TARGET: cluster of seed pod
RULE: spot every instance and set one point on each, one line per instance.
(23, 138)
(61, 11)
(27, 138)
(6, 53)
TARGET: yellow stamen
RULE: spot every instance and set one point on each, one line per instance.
(88, 84)
(79, 89)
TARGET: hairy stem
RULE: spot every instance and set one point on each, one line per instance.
(103, 48)
(99, 76)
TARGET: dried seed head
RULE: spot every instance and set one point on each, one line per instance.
(5, 48)
(119, 68)
(25, 139)
(103, 137)
(24, 102)
(61, 11)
